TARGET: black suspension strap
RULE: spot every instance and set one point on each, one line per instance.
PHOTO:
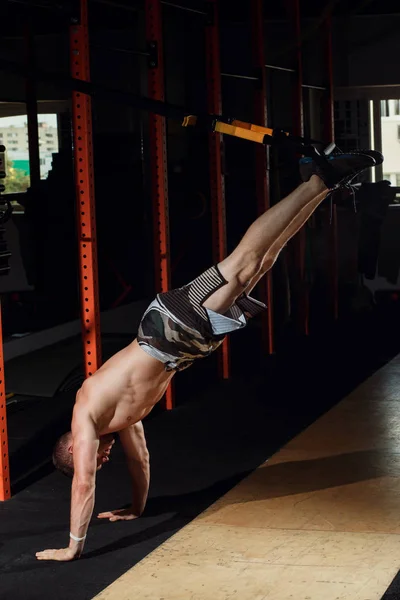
(216, 123)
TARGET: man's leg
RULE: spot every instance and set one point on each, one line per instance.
(263, 240)
(275, 249)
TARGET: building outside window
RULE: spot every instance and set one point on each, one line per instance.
(390, 129)
(14, 132)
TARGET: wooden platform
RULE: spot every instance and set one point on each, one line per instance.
(319, 521)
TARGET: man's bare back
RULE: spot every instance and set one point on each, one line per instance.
(123, 391)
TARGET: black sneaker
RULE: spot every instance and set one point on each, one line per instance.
(338, 170)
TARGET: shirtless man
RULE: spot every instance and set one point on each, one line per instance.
(178, 327)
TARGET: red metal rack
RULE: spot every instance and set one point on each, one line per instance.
(5, 488)
(84, 181)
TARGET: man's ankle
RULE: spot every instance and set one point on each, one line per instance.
(317, 184)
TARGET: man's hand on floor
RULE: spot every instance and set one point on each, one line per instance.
(124, 514)
(62, 555)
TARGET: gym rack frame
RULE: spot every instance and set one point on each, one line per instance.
(84, 175)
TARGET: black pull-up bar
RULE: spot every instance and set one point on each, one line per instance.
(237, 76)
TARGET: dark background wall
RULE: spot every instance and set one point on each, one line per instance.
(367, 50)
(124, 208)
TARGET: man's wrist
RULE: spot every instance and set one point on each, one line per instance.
(76, 538)
(76, 546)
(137, 511)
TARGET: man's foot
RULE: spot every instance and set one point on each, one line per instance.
(337, 170)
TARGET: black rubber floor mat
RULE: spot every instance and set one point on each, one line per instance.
(217, 434)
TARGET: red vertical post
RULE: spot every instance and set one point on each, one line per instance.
(262, 173)
(217, 182)
(299, 241)
(329, 133)
(5, 487)
(84, 182)
(158, 157)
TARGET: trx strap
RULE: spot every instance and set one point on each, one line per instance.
(216, 123)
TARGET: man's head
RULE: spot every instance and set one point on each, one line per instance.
(63, 453)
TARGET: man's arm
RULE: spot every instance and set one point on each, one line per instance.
(85, 446)
(133, 441)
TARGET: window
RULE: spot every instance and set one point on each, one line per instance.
(384, 108)
(396, 104)
(15, 130)
(397, 179)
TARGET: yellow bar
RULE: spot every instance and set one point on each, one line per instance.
(252, 127)
(239, 132)
(258, 128)
(236, 128)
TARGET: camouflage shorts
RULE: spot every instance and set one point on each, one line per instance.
(177, 329)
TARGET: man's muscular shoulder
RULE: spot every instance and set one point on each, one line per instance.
(83, 404)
